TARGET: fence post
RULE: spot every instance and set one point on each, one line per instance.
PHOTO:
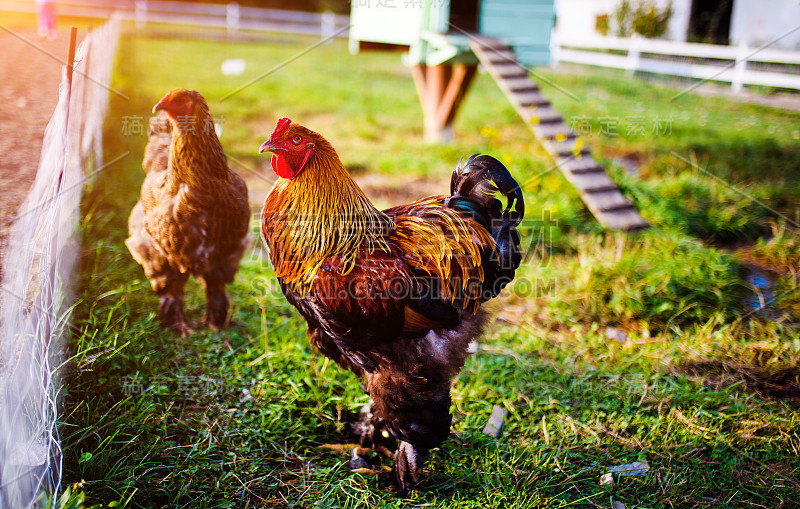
(232, 16)
(555, 48)
(328, 24)
(739, 68)
(634, 50)
(140, 13)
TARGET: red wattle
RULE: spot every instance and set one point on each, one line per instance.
(281, 167)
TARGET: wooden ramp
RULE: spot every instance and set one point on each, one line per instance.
(599, 192)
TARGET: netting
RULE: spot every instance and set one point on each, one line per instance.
(34, 305)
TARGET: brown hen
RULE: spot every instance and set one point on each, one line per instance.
(193, 215)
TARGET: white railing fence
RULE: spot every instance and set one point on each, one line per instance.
(231, 16)
(35, 299)
(700, 61)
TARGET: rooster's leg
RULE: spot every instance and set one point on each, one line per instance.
(415, 407)
(408, 463)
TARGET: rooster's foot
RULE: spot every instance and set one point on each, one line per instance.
(372, 471)
(408, 463)
(358, 462)
(357, 449)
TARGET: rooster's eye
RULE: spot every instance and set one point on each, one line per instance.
(297, 139)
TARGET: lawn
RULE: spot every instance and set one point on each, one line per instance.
(702, 385)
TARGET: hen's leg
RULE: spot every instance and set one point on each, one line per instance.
(170, 306)
(217, 303)
(166, 280)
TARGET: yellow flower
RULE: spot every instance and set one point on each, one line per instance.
(532, 184)
(553, 182)
(489, 132)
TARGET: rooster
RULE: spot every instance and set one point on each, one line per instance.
(393, 295)
(193, 216)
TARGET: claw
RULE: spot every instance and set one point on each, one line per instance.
(205, 321)
(384, 450)
(170, 310)
(372, 471)
(183, 329)
(361, 451)
(357, 461)
(340, 448)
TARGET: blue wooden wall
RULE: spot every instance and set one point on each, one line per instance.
(524, 24)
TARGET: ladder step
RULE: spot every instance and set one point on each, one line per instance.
(508, 70)
(554, 130)
(623, 219)
(530, 97)
(585, 164)
(494, 56)
(519, 84)
(571, 147)
(607, 200)
(545, 115)
(486, 42)
(593, 182)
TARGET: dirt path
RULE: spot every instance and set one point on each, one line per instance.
(29, 78)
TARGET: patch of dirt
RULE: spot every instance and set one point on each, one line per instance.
(782, 382)
(388, 191)
(29, 80)
(753, 260)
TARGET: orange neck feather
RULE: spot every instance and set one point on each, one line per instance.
(320, 213)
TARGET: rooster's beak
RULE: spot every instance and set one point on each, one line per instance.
(267, 146)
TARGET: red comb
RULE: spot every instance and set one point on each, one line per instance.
(281, 127)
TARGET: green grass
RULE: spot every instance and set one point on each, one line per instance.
(236, 419)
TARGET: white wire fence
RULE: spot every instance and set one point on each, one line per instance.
(35, 301)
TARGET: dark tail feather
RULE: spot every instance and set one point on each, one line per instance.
(473, 188)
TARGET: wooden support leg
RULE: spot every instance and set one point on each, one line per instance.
(441, 88)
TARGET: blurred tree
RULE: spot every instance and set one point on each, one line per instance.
(622, 15)
(645, 18)
(601, 24)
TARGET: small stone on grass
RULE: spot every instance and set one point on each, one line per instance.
(616, 334)
(494, 427)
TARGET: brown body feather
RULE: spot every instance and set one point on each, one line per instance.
(156, 153)
(192, 219)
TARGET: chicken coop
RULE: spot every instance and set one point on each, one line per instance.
(438, 35)
(444, 41)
